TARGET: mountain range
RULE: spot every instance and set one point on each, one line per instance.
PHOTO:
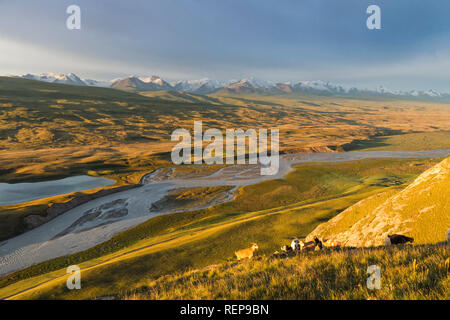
(243, 86)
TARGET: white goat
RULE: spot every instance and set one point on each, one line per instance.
(295, 245)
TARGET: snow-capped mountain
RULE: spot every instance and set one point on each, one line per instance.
(130, 82)
(243, 86)
(201, 86)
(156, 82)
(96, 83)
(142, 83)
(256, 82)
(383, 90)
(432, 93)
(69, 78)
(249, 85)
(318, 86)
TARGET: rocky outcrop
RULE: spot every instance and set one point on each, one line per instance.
(420, 211)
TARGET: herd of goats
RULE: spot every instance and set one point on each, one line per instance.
(318, 244)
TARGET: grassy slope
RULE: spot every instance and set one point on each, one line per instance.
(193, 248)
(406, 273)
(421, 210)
(207, 236)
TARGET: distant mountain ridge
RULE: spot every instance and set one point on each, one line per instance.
(153, 83)
(242, 86)
(69, 78)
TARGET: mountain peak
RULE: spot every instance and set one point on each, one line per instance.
(69, 78)
(244, 86)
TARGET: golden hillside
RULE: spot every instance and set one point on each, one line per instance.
(422, 210)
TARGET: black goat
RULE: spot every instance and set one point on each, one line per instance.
(397, 239)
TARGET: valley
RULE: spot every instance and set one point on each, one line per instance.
(336, 152)
(97, 221)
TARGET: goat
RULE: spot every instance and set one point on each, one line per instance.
(246, 253)
(397, 239)
(279, 255)
(295, 245)
(318, 244)
(307, 246)
(286, 248)
(387, 242)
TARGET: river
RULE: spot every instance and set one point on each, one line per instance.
(14, 193)
(98, 220)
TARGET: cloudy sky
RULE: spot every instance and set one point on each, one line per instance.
(230, 39)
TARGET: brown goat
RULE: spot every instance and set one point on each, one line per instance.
(246, 253)
(307, 246)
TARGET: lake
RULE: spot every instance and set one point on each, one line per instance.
(13, 193)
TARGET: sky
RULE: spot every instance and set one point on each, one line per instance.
(283, 40)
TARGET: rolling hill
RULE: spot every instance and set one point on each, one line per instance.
(36, 114)
(421, 210)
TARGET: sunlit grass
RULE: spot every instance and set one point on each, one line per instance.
(406, 273)
(222, 229)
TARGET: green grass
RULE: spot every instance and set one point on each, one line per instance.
(421, 272)
(297, 213)
(179, 250)
(189, 199)
(404, 142)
